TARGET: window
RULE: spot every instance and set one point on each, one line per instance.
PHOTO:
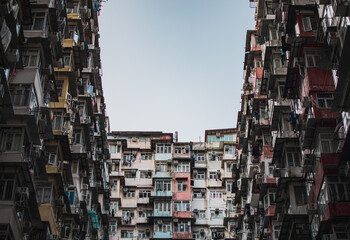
(199, 193)
(59, 86)
(113, 208)
(31, 58)
(162, 206)
(130, 174)
(276, 229)
(300, 195)
(12, 138)
(196, 235)
(215, 194)
(229, 167)
(229, 149)
(293, 156)
(214, 157)
(309, 22)
(269, 199)
(337, 190)
(200, 156)
(7, 186)
(199, 175)
(75, 169)
(112, 148)
(312, 58)
(127, 234)
(163, 186)
(145, 213)
(229, 186)
(146, 156)
(77, 136)
(182, 185)
(220, 138)
(277, 62)
(161, 166)
(39, 22)
(182, 167)
(57, 121)
(328, 143)
(324, 100)
(258, 62)
(70, 194)
(146, 174)
(201, 214)
(67, 60)
(163, 148)
(22, 95)
(129, 194)
(274, 34)
(182, 226)
(112, 227)
(212, 175)
(143, 234)
(161, 226)
(144, 194)
(182, 150)
(44, 193)
(182, 206)
(216, 214)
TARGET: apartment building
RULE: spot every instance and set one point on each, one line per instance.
(53, 159)
(293, 168)
(162, 189)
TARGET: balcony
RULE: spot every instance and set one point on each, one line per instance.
(159, 193)
(162, 214)
(187, 235)
(336, 209)
(163, 175)
(165, 235)
(163, 156)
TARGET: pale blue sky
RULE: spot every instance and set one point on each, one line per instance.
(173, 65)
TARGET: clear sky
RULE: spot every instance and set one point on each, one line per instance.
(173, 65)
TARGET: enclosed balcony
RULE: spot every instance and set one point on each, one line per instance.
(162, 208)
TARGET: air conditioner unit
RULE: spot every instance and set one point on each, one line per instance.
(216, 210)
(133, 170)
(203, 190)
(227, 147)
(213, 153)
(187, 147)
(134, 152)
(119, 143)
(125, 189)
(202, 231)
(176, 220)
(160, 222)
(23, 191)
(134, 139)
(85, 186)
(176, 162)
(218, 135)
(195, 171)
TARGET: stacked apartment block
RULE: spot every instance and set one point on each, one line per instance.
(164, 189)
(293, 123)
(53, 142)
